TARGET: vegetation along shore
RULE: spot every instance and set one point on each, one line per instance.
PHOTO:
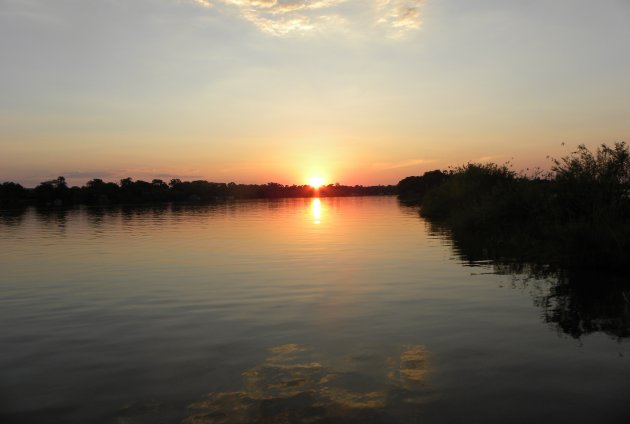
(98, 192)
(576, 216)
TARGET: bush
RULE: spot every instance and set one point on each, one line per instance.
(594, 187)
(577, 217)
(472, 194)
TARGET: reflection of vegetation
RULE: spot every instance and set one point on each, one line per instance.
(292, 387)
(97, 191)
(572, 227)
(12, 217)
(577, 217)
(575, 302)
(576, 306)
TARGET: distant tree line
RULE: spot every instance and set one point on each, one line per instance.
(576, 215)
(57, 192)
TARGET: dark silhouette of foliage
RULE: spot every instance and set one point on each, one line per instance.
(411, 190)
(593, 187)
(54, 191)
(578, 216)
(98, 192)
(11, 193)
(469, 189)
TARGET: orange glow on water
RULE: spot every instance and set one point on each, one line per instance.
(316, 209)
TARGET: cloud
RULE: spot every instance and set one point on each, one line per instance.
(285, 17)
(87, 174)
(487, 158)
(400, 16)
(204, 3)
(114, 175)
(151, 173)
(402, 164)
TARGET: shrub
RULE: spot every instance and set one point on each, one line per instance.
(594, 187)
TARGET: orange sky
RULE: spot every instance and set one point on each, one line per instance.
(249, 91)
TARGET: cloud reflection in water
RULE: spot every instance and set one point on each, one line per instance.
(292, 386)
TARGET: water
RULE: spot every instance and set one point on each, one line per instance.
(301, 310)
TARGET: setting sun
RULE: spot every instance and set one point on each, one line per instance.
(316, 182)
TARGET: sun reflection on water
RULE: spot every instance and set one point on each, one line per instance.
(316, 210)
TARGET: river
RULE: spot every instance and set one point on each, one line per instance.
(296, 310)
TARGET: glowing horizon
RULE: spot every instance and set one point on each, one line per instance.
(359, 92)
(316, 182)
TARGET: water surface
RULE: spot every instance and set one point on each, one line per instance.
(317, 310)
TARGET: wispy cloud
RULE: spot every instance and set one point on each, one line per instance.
(114, 175)
(483, 159)
(87, 174)
(204, 3)
(285, 17)
(400, 16)
(402, 164)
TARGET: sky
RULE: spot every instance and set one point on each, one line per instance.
(356, 91)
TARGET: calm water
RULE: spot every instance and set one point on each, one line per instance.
(350, 310)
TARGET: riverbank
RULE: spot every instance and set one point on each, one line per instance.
(97, 192)
(577, 216)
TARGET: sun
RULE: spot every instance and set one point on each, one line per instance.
(316, 181)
